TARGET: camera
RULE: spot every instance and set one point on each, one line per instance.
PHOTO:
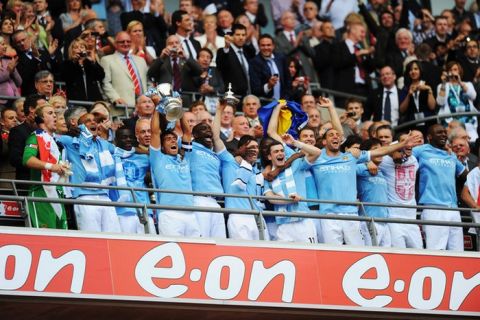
(452, 77)
(95, 34)
(351, 114)
(83, 54)
(173, 51)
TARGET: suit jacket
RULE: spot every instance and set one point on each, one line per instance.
(374, 105)
(27, 68)
(79, 88)
(344, 63)
(303, 51)
(323, 63)
(16, 145)
(161, 72)
(232, 71)
(117, 82)
(260, 74)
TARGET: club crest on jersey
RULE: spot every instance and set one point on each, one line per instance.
(345, 158)
(405, 182)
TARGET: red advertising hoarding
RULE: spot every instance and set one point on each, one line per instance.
(268, 273)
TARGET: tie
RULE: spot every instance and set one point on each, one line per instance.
(190, 53)
(244, 67)
(133, 75)
(387, 112)
(274, 70)
(292, 39)
(359, 62)
(177, 78)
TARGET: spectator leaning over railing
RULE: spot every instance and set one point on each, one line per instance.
(43, 157)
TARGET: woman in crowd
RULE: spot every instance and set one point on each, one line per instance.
(74, 16)
(82, 73)
(61, 127)
(59, 103)
(418, 100)
(210, 39)
(42, 156)
(28, 22)
(7, 27)
(299, 80)
(455, 95)
(10, 79)
(139, 41)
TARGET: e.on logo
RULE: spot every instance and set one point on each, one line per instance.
(21, 267)
(353, 282)
(146, 272)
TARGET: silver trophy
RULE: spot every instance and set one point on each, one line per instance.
(229, 98)
(171, 102)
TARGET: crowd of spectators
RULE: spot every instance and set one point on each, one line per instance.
(284, 140)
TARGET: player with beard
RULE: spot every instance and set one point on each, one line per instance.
(92, 162)
(240, 176)
(135, 168)
(400, 171)
(171, 171)
(307, 136)
(335, 176)
(438, 168)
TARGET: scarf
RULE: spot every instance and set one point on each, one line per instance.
(48, 151)
(289, 182)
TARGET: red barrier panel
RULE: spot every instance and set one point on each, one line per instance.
(208, 271)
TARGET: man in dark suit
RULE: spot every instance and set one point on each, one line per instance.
(232, 62)
(352, 63)
(384, 103)
(460, 13)
(173, 67)
(324, 55)
(183, 24)
(255, 12)
(18, 136)
(32, 60)
(292, 45)
(269, 75)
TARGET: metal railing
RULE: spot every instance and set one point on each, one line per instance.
(436, 118)
(142, 208)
